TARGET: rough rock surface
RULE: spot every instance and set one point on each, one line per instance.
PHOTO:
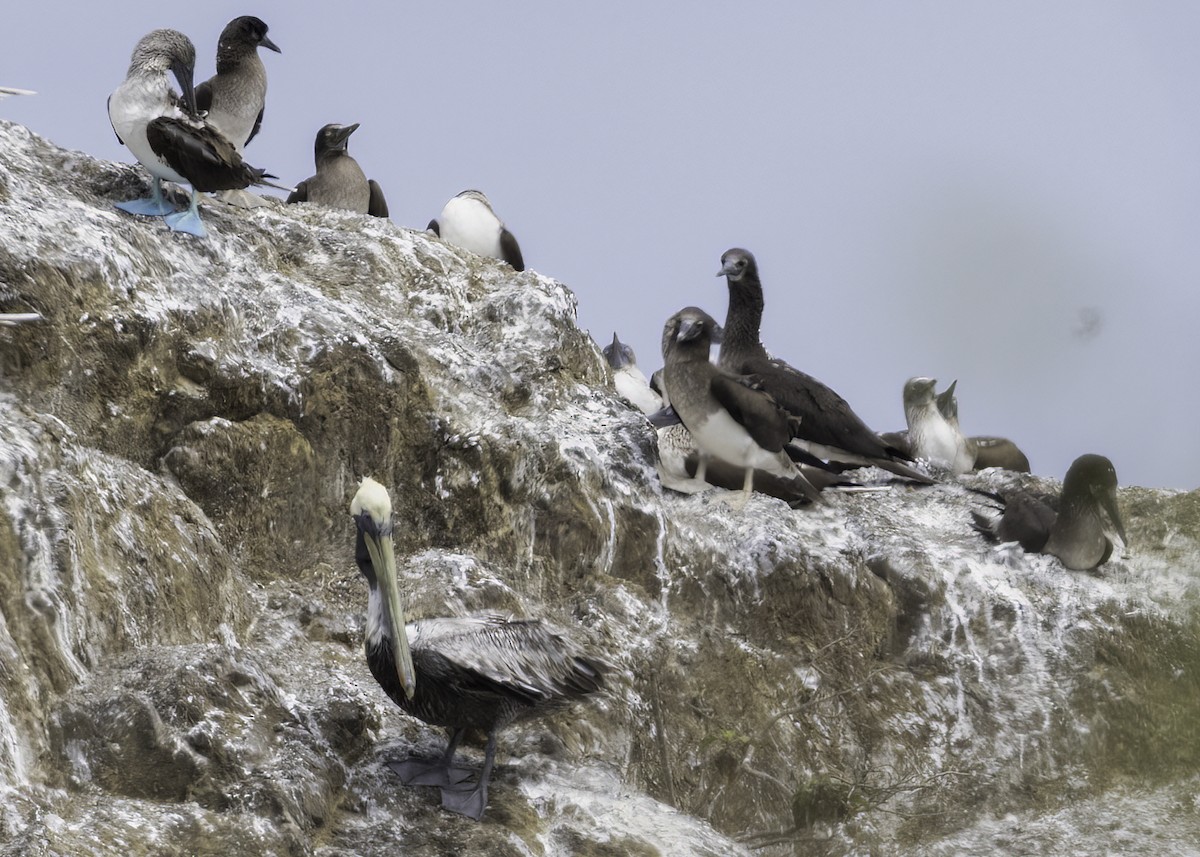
(180, 647)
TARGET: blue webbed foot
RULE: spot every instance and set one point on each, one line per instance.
(146, 207)
(187, 221)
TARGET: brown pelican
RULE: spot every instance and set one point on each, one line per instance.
(1081, 533)
(480, 672)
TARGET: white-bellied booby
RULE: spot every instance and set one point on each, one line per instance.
(468, 221)
(233, 99)
(478, 672)
(931, 436)
(1082, 533)
(727, 419)
(828, 428)
(340, 182)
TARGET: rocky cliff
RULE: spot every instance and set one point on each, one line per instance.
(180, 653)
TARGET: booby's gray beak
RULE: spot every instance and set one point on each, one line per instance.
(383, 558)
(342, 135)
(615, 353)
(187, 90)
(1106, 498)
(269, 45)
(689, 329)
(949, 391)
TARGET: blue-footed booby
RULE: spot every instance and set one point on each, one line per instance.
(480, 672)
(162, 131)
(1082, 532)
(233, 100)
(828, 428)
(340, 181)
(468, 221)
(931, 436)
(728, 420)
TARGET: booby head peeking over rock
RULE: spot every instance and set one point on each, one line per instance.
(468, 221)
(478, 672)
(163, 132)
(931, 436)
(629, 380)
(340, 182)
(727, 418)
(1084, 529)
(828, 428)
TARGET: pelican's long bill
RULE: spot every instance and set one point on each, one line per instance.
(372, 511)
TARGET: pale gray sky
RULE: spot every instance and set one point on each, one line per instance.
(1007, 194)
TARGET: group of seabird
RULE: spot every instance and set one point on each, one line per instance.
(197, 137)
(787, 434)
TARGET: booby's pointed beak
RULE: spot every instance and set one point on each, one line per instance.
(184, 74)
(269, 45)
(1106, 499)
(342, 135)
(372, 512)
(689, 329)
(949, 391)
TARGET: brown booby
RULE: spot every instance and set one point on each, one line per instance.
(340, 181)
(233, 100)
(479, 672)
(727, 419)
(468, 221)
(828, 428)
(1081, 533)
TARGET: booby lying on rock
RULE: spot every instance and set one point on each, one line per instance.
(480, 672)
(727, 419)
(468, 221)
(162, 131)
(828, 428)
(1082, 532)
(340, 182)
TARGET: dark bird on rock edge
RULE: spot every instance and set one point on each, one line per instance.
(468, 221)
(481, 672)
(160, 128)
(727, 419)
(828, 428)
(233, 100)
(340, 181)
(1082, 533)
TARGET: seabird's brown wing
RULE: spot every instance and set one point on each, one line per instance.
(377, 206)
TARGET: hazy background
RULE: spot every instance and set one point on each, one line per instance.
(1007, 194)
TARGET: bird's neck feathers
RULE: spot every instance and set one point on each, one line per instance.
(377, 635)
(743, 321)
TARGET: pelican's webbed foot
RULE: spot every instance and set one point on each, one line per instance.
(466, 800)
(429, 772)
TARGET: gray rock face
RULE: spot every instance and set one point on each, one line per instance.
(180, 653)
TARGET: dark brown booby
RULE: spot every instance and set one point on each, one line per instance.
(233, 100)
(340, 181)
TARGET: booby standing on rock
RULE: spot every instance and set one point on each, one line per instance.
(930, 435)
(726, 418)
(1083, 531)
(629, 380)
(168, 141)
(468, 221)
(470, 673)
(233, 100)
(828, 428)
(340, 181)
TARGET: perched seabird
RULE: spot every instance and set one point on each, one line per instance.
(340, 181)
(828, 428)
(726, 418)
(468, 221)
(930, 435)
(629, 380)
(461, 673)
(169, 141)
(1081, 533)
(234, 98)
